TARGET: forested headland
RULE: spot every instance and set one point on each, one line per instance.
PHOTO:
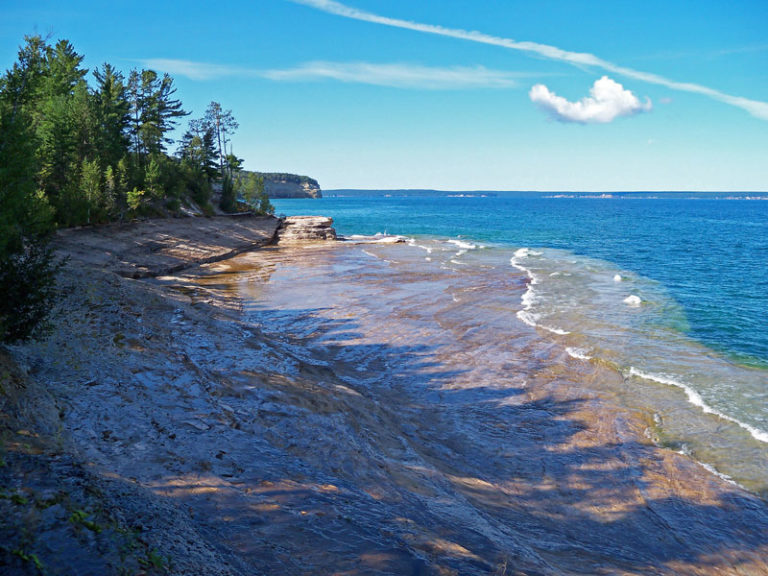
(80, 148)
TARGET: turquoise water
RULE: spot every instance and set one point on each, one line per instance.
(711, 256)
(670, 295)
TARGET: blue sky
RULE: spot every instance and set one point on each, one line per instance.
(456, 94)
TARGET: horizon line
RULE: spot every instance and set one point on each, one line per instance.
(497, 190)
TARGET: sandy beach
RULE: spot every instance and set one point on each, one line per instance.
(334, 408)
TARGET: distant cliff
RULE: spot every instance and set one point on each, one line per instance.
(278, 185)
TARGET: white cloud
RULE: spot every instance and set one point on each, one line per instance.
(607, 101)
(755, 107)
(396, 75)
(194, 70)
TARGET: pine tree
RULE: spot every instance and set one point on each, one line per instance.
(197, 148)
(113, 115)
(223, 124)
(27, 267)
(63, 118)
(153, 112)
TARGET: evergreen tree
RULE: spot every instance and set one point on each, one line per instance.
(63, 117)
(63, 69)
(228, 201)
(27, 267)
(197, 148)
(72, 154)
(113, 115)
(135, 108)
(153, 112)
(223, 124)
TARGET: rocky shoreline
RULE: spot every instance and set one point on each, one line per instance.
(150, 248)
(316, 408)
(61, 514)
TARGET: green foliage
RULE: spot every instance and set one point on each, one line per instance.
(135, 199)
(63, 123)
(27, 282)
(95, 196)
(112, 114)
(294, 178)
(196, 184)
(27, 267)
(228, 195)
(29, 557)
(154, 560)
(222, 124)
(17, 499)
(152, 178)
(250, 186)
(197, 150)
(80, 518)
(233, 164)
(153, 112)
(73, 154)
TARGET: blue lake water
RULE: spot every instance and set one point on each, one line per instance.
(711, 255)
(671, 292)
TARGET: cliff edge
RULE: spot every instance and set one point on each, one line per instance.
(280, 185)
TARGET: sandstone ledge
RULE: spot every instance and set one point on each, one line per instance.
(163, 246)
(156, 247)
(306, 228)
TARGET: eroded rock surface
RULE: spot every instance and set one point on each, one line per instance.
(304, 228)
(341, 409)
(150, 248)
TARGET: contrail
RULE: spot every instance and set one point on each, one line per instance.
(754, 107)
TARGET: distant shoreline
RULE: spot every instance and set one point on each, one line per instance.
(606, 195)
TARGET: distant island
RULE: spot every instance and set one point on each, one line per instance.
(423, 193)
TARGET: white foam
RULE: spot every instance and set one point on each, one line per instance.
(412, 242)
(696, 399)
(529, 297)
(372, 255)
(531, 276)
(633, 301)
(525, 253)
(463, 245)
(578, 353)
(377, 238)
(527, 318)
(720, 475)
(532, 319)
(389, 240)
(685, 451)
(617, 278)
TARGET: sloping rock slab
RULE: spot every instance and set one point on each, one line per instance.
(162, 246)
